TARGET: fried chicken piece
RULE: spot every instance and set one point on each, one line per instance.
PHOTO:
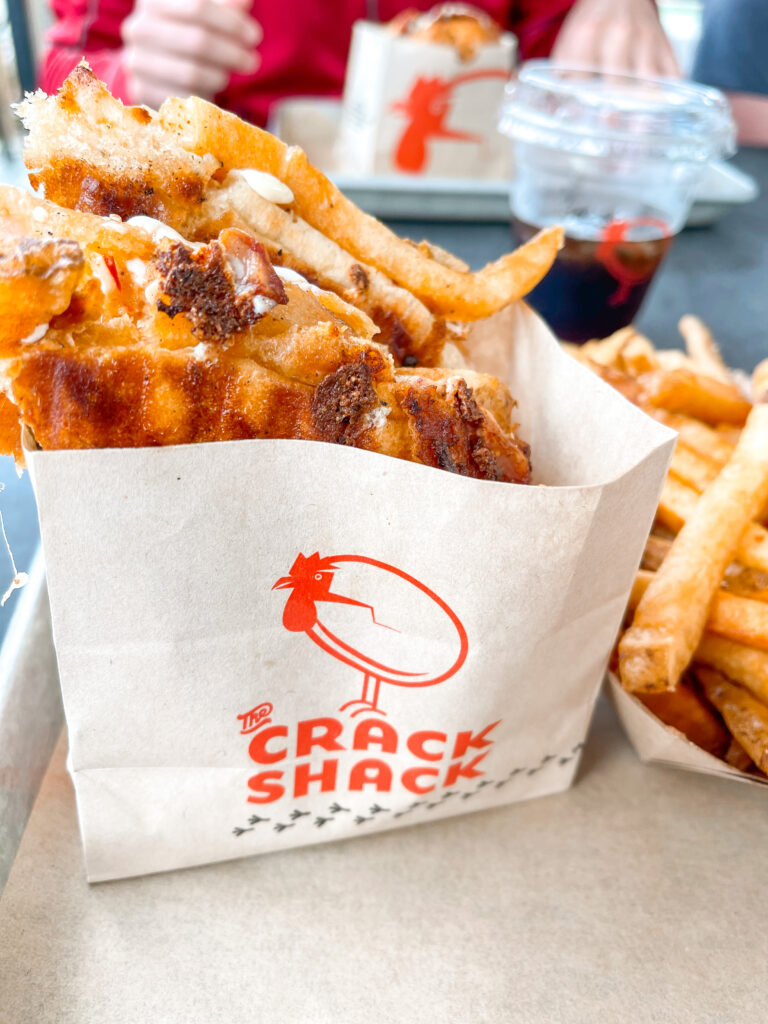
(120, 361)
(461, 26)
(141, 397)
(139, 168)
(37, 279)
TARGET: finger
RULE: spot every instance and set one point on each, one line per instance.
(226, 19)
(616, 44)
(191, 41)
(577, 44)
(668, 64)
(653, 58)
(243, 5)
(180, 75)
(149, 94)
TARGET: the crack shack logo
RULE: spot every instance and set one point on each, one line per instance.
(426, 110)
(407, 637)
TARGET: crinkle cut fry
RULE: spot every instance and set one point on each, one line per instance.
(204, 128)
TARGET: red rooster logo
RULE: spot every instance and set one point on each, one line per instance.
(427, 107)
(310, 581)
(627, 276)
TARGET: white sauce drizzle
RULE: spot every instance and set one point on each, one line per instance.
(266, 185)
(376, 419)
(101, 271)
(137, 269)
(262, 304)
(293, 277)
(36, 335)
(159, 231)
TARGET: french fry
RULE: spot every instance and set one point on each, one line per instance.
(606, 351)
(205, 129)
(674, 359)
(622, 382)
(746, 717)
(760, 381)
(696, 435)
(678, 503)
(309, 252)
(737, 757)
(709, 400)
(640, 584)
(656, 549)
(683, 709)
(731, 434)
(752, 551)
(739, 619)
(670, 619)
(749, 583)
(703, 350)
(692, 468)
(747, 666)
(638, 356)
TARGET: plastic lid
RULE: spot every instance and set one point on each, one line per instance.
(594, 113)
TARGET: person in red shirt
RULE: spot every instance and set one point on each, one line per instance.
(246, 54)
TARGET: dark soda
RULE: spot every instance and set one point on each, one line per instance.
(596, 286)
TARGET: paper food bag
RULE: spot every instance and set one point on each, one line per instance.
(264, 644)
(414, 107)
(658, 743)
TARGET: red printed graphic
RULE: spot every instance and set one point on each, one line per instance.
(427, 107)
(310, 581)
(255, 718)
(608, 253)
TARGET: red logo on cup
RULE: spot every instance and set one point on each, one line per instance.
(307, 611)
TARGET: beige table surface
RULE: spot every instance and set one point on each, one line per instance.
(639, 895)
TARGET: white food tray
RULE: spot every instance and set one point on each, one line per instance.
(313, 124)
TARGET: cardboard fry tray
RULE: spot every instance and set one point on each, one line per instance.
(657, 743)
(266, 644)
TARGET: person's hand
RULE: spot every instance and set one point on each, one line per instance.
(187, 47)
(616, 35)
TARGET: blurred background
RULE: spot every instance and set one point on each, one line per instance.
(23, 24)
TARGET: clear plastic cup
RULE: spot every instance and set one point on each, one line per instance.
(615, 159)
